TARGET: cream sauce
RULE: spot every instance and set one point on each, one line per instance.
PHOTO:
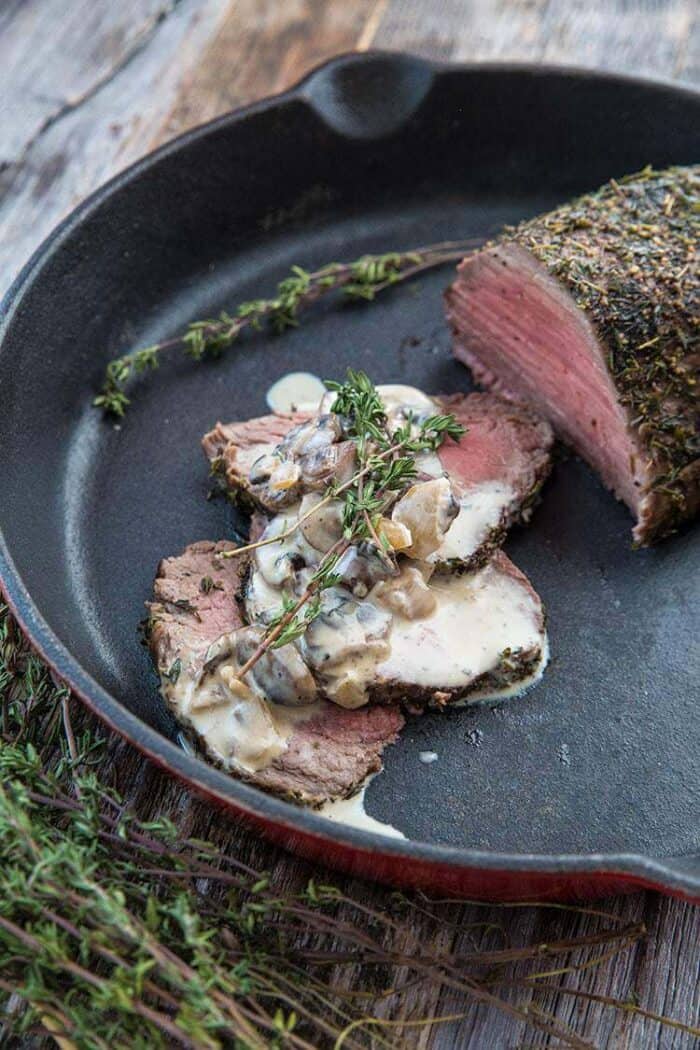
(294, 391)
(445, 644)
(239, 728)
(351, 811)
(511, 692)
(481, 509)
(477, 617)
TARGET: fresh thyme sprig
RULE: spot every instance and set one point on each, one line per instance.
(363, 279)
(386, 467)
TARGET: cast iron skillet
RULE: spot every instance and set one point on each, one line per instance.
(587, 785)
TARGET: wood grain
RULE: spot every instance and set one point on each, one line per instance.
(644, 37)
(87, 86)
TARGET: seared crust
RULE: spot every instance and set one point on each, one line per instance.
(194, 601)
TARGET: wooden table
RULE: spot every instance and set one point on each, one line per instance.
(87, 86)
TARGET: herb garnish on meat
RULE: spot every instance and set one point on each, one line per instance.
(386, 468)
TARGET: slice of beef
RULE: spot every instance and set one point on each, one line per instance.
(591, 315)
(497, 468)
(486, 636)
(194, 604)
(233, 448)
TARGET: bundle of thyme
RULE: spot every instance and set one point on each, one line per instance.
(386, 466)
(115, 932)
(362, 279)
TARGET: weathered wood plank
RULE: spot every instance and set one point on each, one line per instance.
(139, 82)
(87, 87)
(646, 37)
(260, 49)
(56, 55)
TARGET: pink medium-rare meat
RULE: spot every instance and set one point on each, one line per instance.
(195, 602)
(506, 451)
(591, 314)
(504, 442)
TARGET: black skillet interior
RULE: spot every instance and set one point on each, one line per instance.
(371, 153)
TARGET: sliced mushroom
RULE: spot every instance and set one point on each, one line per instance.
(263, 467)
(324, 527)
(236, 722)
(343, 645)
(332, 463)
(344, 628)
(311, 437)
(348, 687)
(286, 477)
(224, 648)
(280, 674)
(278, 562)
(275, 482)
(407, 594)
(427, 510)
(361, 566)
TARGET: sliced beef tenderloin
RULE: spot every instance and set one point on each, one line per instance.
(591, 315)
(233, 448)
(325, 752)
(332, 754)
(496, 469)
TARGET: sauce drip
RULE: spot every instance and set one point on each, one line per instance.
(352, 812)
(293, 390)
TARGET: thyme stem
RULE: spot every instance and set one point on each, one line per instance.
(364, 278)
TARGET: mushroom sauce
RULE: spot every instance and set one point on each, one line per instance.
(411, 627)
